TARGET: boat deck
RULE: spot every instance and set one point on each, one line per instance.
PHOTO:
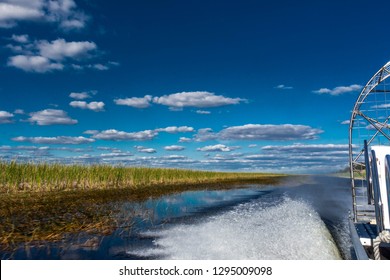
(366, 233)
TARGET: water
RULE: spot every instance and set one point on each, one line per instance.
(301, 219)
(288, 229)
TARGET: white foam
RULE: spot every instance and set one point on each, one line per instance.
(289, 230)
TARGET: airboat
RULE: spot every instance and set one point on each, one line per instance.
(369, 161)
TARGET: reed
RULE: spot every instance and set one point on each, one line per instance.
(44, 177)
(47, 201)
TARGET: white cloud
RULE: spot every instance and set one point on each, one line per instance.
(62, 12)
(283, 87)
(96, 66)
(11, 12)
(44, 56)
(36, 64)
(300, 148)
(346, 122)
(100, 67)
(282, 132)
(79, 95)
(205, 134)
(115, 135)
(54, 140)
(184, 140)
(202, 112)
(136, 102)
(174, 148)
(200, 99)
(113, 156)
(381, 106)
(60, 49)
(142, 149)
(176, 129)
(23, 39)
(94, 106)
(91, 131)
(5, 117)
(252, 146)
(51, 117)
(217, 148)
(339, 90)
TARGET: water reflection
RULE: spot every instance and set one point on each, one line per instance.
(154, 228)
(134, 218)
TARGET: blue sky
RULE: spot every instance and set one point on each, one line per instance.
(216, 85)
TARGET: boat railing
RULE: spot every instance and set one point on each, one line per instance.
(377, 192)
(387, 174)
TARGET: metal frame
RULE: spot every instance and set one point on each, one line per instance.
(356, 161)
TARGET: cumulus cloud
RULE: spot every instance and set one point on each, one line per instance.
(5, 117)
(136, 102)
(308, 148)
(177, 101)
(13, 11)
(91, 132)
(176, 129)
(60, 49)
(63, 12)
(94, 106)
(301, 157)
(346, 122)
(79, 95)
(269, 132)
(174, 148)
(54, 140)
(339, 90)
(22, 39)
(283, 132)
(36, 63)
(43, 56)
(200, 99)
(217, 148)
(205, 134)
(184, 139)
(51, 117)
(142, 149)
(115, 155)
(115, 135)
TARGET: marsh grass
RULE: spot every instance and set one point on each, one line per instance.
(47, 201)
(17, 177)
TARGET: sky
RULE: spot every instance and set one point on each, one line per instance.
(253, 86)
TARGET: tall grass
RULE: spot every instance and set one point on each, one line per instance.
(45, 201)
(44, 177)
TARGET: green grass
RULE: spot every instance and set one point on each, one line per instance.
(47, 201)
(17, 177)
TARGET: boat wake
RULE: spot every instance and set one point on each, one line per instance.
(279, 229)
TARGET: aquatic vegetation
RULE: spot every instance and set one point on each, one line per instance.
(44, 177)
(47, 201)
